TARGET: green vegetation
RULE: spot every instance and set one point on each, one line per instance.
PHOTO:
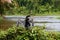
(58, 18)
(4, 6)
(40, 14)
(38, 7)
(1, 18)
(34, 33)
(25, 7)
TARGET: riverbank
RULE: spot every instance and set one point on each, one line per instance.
(5, 24)
(35, 14)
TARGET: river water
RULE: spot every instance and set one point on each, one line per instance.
(50, 22)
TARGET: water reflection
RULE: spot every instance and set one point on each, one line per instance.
(50, 26)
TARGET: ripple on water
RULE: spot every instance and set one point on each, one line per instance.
(49, 26)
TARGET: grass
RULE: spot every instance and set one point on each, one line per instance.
(49, 14)
(38, 14)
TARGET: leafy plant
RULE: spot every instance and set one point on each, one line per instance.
(34, 33)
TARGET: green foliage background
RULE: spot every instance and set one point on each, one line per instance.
(34, 33)
(23, 7)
